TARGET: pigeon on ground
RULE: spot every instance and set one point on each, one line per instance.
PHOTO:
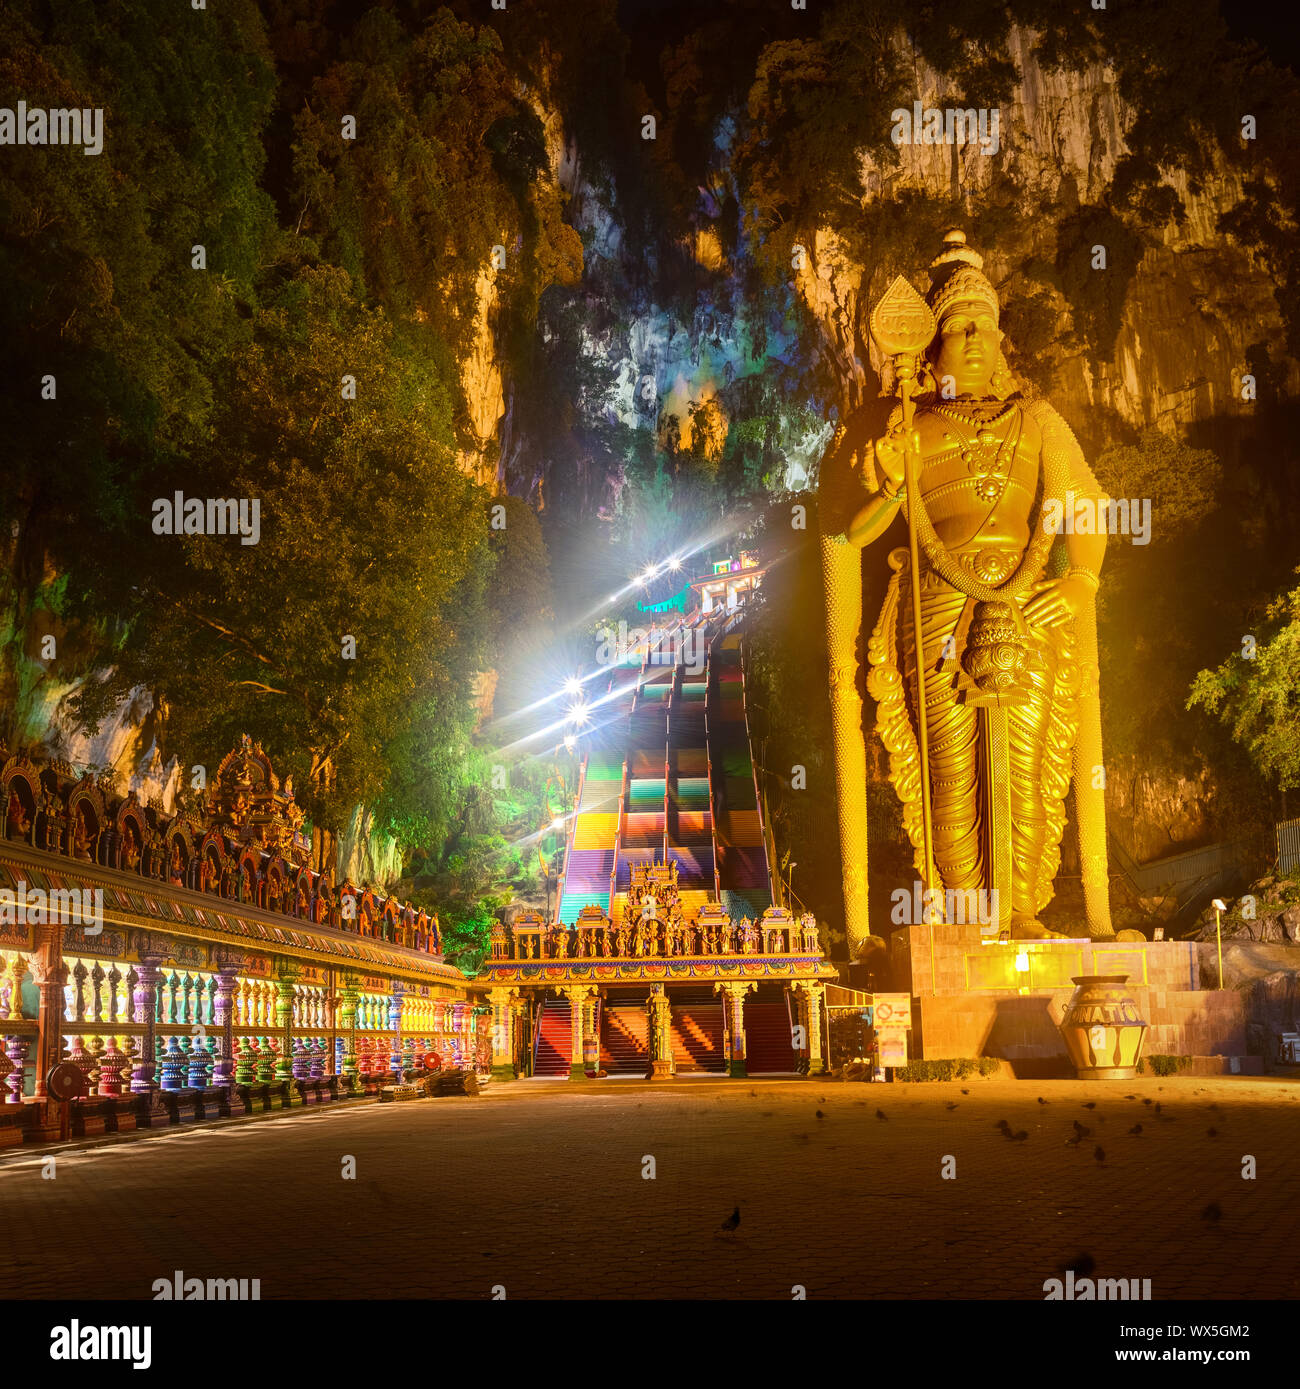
(1003, 1125)
(820, 1115)
(1147, 1100)
(1211, 1212)
(1082, 1130)
(1212, 1133)
(1099, 1153)
(1019, 1136)
(952, 1104)
(1137, 1128)
(880, 1114)
(1041, 1100)
(1082, 1264)
(965, 1092)
(730, 1224)
(1091, 1104)
(1159, 1106)
(1075, 1141)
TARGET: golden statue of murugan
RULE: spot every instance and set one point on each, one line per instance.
(1005, 603)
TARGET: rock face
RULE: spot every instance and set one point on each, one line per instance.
(481, 380)
(1269, 977)
(365, 855)
(1155, 814)
(1268, 913)
(1195, 303)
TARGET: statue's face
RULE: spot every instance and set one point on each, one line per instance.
(966, 347)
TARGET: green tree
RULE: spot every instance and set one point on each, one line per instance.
(334, 637)
(1256, 693)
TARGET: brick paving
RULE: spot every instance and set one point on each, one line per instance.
(538, 1187)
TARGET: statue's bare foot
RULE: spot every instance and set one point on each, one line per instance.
(1030, 928)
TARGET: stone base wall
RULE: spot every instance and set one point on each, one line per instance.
(1006, 999)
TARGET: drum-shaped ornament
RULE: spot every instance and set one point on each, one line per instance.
(1103, 1027)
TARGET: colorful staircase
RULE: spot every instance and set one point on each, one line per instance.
(744, 881)
(669, 775)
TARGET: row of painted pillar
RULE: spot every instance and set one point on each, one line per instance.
(149, 996)
(506, 1004)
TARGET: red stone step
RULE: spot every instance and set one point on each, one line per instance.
(554, 1038)
(768, 1043)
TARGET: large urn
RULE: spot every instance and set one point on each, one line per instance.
(1103, 1028)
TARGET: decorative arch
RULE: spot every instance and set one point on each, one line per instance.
(87, 820)
(248, 864)
(178, 856)
(301, 893)
(275, 885)
(20, 799)
(390, 923)
(214, 864)
(132, 836)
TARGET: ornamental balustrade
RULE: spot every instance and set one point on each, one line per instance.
(131, 1035)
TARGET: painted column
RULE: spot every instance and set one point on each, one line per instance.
(224, 1074)
(284, 992)
(395, 1026)
(503, 1052)
(662, 1065)
(50, 975)
(331, 1004)
(798, 1002)
(145, 998)
(590, 1039)
(811, 994)
(734, 1006)
(576, 994)
(17, 972)
(348, 998)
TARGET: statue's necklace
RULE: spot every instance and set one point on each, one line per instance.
(1034, 560)
(986, 454)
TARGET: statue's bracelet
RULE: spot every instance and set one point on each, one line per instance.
(890, 494)
(1080, 571)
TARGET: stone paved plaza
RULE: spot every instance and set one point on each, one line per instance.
(538, 1187)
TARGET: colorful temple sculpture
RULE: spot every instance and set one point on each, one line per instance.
(194, 965)
(668, 953)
